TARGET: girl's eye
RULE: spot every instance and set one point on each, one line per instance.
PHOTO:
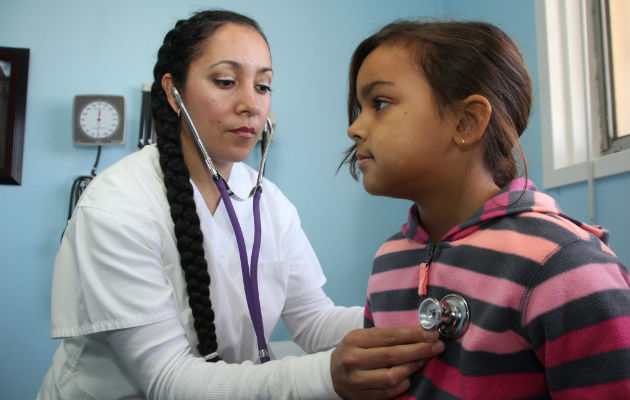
(224, 83)
(262, 88)
(358, 108)
(380, 104)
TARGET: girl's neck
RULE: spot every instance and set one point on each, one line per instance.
(441, 212)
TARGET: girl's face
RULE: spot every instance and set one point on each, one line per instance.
(227, 92)
(403, 145)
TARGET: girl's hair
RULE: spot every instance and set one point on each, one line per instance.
(458, 59)
(182, 45)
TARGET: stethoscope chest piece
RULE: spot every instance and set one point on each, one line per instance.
(450, 316)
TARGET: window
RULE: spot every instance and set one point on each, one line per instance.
(609, 43)
(584, 70)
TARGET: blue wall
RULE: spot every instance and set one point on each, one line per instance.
(83, 47)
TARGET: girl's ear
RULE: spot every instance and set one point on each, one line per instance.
(167, 85)
(473, 120)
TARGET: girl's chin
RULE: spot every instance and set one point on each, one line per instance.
(372, 188)
(377, 188)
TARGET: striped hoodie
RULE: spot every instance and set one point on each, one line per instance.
(549, 302)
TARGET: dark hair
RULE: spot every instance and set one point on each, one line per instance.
(458, 59)
(182, 45)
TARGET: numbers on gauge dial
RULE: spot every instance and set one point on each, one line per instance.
(99, 119)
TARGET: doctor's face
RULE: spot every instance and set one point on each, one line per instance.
(227, 92)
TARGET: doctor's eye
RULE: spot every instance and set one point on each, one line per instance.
(263, 88)
(224, 82)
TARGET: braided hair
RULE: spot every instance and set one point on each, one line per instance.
(182, 45)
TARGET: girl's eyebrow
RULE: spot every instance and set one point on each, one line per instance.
(239, 66)
(366, 89)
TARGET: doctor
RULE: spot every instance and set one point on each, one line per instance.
(148, 294)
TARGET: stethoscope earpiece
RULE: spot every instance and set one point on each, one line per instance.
(450, 316)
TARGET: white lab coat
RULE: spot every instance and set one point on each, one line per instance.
(118, 267)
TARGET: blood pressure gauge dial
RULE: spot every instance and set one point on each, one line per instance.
(98, 119)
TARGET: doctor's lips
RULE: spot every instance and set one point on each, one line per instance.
(245, 132)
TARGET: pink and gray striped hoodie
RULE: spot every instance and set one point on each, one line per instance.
(549, 302)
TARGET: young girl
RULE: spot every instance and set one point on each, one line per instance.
(436, 110)
(148, 294)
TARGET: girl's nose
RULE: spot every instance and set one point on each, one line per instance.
(355, 131)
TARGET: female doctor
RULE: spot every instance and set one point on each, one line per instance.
(158, 292)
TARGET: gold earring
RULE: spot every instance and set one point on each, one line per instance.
(179, 112)
(462, 141)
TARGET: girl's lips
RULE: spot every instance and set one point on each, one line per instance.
(363, 159)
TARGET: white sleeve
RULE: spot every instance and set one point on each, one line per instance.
(159, 360)
(104, 257)
(316, 324)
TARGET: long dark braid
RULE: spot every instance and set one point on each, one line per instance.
(181, 46)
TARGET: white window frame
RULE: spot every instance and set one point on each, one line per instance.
(571, 152)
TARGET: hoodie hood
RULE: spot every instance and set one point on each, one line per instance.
(519, 196)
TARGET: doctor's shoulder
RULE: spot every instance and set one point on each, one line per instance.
(132, 185)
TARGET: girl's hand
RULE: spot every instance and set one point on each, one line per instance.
(376, 363)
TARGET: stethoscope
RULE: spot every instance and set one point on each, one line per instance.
(450, 316)
(249, 271)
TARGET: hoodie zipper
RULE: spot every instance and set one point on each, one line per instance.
(424, 270)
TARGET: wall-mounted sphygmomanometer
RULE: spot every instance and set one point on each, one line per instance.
(97, 119)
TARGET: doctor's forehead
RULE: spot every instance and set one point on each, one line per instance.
(239, 45)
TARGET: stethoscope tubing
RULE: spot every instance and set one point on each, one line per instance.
(248, 270)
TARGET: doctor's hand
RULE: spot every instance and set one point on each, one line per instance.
(376, 363)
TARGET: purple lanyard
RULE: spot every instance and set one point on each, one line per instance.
(250, 277)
